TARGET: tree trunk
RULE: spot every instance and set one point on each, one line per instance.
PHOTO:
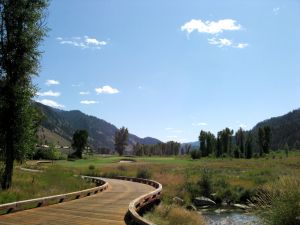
(9, 166)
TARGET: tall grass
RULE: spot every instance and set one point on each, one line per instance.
(54, 180)
(174, 215)
(279, 203)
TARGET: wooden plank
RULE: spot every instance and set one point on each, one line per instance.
(108, 207)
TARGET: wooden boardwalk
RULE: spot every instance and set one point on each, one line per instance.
(106, 208)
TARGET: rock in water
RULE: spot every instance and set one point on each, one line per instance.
(203, 201)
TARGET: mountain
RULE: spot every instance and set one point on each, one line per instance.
(60, 125)
(284, 129)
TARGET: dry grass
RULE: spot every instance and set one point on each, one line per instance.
(174, 215)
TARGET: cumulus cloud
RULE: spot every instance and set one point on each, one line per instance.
(88, 102)
(106, 90)
(215, 28)
(50, 103)
(199, 124)
(241, 45)
(84, 42)
(210, 27)
(52, 82)
(220, 42)
(49, 93)
(84, 93)
(223, 42)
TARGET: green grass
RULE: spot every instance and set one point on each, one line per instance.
(54, 180)
(237, 178)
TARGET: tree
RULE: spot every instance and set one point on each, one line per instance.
(286, 149)
(219, 151)
(121, 139)
(210, 143)
(240, 142)
(80, 139)
(202, 140)
(22, 28)
(264, 139)
(248, 147)
(226, 140)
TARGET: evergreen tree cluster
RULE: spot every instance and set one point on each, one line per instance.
(161, 149)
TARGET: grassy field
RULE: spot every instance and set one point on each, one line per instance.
(233, 180)
(54, 180)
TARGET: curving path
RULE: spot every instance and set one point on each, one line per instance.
(106, 208)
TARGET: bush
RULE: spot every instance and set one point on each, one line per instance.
(279, 203)
(143, 173)
(91, 167)
(195, 154)
(174, 215)
(205, 183)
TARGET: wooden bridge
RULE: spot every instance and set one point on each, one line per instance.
(106, 208)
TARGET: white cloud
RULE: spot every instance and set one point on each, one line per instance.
(243, 126)
(50, 103)
(169, 128)
(210, 27)
(85, 42)
(88, 102)
(52, 82)
(84, 93)
(223, 42)
(49, 93)
(220, 42)
(241, 45)
(140, 87)
(276, 10)
(106, 90)
(199, 124)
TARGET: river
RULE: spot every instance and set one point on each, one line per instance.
(227, 216)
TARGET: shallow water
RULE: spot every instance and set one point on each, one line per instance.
(230, 217)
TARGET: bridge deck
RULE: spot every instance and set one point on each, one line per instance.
(106, 208)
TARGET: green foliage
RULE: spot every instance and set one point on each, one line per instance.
(205, 183)
(240, 141)
(143, 173)
(285, 129)
(248, 147)
(80, 138)
(52, 181)
(50, 153)
(121, 140)
(207, 143)
(264, 139)
(279, 203)
(195, 154)
(225, 141)
(22, 28)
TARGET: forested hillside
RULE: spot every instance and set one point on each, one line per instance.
(284, 130)
(65, 123)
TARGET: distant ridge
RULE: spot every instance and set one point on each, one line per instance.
(285, 130)
(64, 123)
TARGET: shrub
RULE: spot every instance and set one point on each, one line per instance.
(174, 215)
(143, 173)
(205, 183)
(91, 167)
(279, 203)
(195, 154)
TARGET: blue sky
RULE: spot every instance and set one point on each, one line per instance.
(168, 69)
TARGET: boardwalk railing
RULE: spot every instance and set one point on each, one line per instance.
(101, 185)
(137, 204)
